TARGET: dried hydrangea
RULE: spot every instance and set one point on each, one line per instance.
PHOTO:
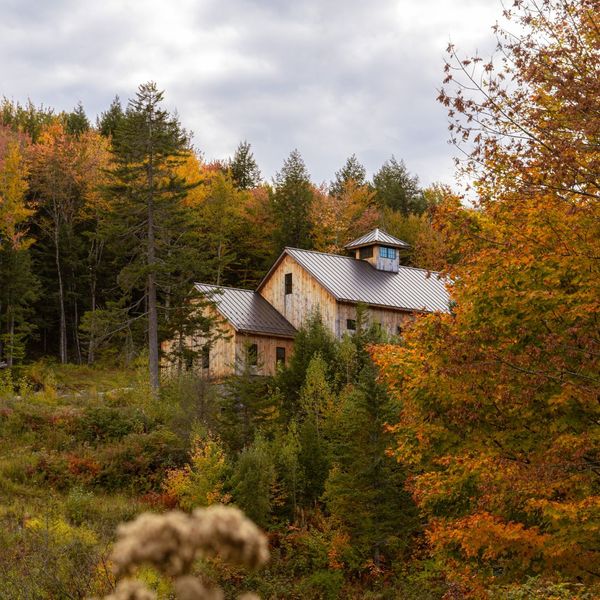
(171, 542)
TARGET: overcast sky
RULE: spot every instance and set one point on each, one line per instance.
(329, 77)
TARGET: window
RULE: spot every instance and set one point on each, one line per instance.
(288, 283)
(206, 357)
(253, 355)
(351, 324)
(366, 252)
(398, 329)
(387, 252)
(279, 355)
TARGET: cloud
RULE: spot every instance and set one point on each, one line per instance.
(328, 77)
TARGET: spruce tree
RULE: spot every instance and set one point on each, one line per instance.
(244, 170)
(76, 122)
(292, 198)
(353, 171)
(396, 188)
(111, 119)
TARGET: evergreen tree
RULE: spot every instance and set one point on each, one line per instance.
(312, 339)
(253, 481)
(18, 284)
(353, 171)
(76, 122)
(365, 488)
(111, 119)
(148, 219)
(292, 199)
(396, 188)
(244, 170)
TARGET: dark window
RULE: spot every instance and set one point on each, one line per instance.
(206, 357)
(351, 324)
(288, 283)
(253, 355)
(366, 252)
(280, 355)
(387, 252)
(398, 330)
(189, 359)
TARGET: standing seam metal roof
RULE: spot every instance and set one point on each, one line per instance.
(353, 281)
(247, 310)
(377, 236)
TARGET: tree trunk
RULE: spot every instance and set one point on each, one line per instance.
(152, 307)
(62, 350)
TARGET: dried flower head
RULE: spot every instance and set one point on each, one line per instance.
(171, 542)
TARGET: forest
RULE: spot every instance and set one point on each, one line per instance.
(460, 460)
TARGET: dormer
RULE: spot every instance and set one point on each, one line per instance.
(378, 248)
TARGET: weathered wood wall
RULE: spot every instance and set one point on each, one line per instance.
(389, 320)
(307, 295)
(267, 352)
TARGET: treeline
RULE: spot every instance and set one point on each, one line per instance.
(103, 227)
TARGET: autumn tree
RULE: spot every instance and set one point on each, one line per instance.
(18, 284)
(64, 174)
(499, 412)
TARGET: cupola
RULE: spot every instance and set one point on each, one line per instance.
(380, 249)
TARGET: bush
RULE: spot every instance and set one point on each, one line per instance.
(323, 585)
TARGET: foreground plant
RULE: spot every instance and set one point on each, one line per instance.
(172, 542)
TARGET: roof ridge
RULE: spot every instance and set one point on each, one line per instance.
(361, 261)
(225, 287)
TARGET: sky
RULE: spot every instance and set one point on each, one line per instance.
(328, 77)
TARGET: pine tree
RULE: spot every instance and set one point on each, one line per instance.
(396, 188)
(149, 220)
(353, 171)
(292, 198)
(244, 170)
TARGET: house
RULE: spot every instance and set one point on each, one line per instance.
(261, 324)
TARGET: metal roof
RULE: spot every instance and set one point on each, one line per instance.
(247, 310)
(377, 236)
(353, 281)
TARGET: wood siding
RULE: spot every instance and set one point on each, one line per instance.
(307, 296)
(389, 319)
(267, 352)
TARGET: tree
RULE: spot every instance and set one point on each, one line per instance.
(148, 217)
(111, 119)
(76, 122)
(338, 219)
(396, 188)
(18, 284)
(353, 171)
(499, 414)
(364, 490)
(244, 170)
(292, 199)
(64, 174)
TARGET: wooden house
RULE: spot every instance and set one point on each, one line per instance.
(262, 323)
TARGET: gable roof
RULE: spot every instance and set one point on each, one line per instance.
(377, 236)
(350, 280)
(247, 311)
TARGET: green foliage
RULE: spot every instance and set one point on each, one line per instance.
(352, 171)
(253, 480)
(396, 188)
(244, 170)
(292, 198)
(311, 339)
